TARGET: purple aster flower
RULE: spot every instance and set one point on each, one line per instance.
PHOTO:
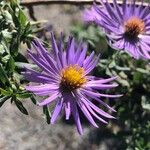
(64, 78)
(90, 15)
(127, 26)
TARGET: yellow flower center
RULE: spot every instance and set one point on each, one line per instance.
(72, 77)
(133, 27)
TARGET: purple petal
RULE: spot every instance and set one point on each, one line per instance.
(101, 81)
(37, 77)
(92, 112)
(67, 110)
(71, 52)
(42, 87)
(101, 95)
(82, 55)
(56, 111)
(49, 99)
(92, 65)
(110, 10)
(88, 60)
(86, 113)
(98, 110)
(89, 15)
(132, 50)
(55, 50)
(43, 53)
(69, 49)
(47, 68)
(120, 17)
(95, 96)
(75, 114)
(100, 86)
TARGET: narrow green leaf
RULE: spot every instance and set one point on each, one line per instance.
(122, 68)
(25, 65)
(112, 64)
(22, 18)
(21, 107)
(3, 76)
(5, 92)
(14, 17)
(14, 45)
(141, 70)
(137, 77)
(3, 100)
(10, 65)
(23, 95)
(145, 103)
(27, 29)
(47, 114)
(33, 100)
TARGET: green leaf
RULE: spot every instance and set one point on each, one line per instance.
(21, 107)
(14, 45)
(10, 65)
(5, 92)
(112, 64)
(3, 76)
(27, 29)
(3, 99)
(122, 68)
(145, 103)
(47, 113)
(137, 77)
(14, 3)
(23, 95)
(5, 58)
(33, 100)
(25, 65)
(14, 17)
(22, 18)
(141, 70)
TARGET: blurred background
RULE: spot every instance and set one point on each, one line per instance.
(131, 128)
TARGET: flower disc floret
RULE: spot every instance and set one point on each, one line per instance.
(133, 27)
(72, 77)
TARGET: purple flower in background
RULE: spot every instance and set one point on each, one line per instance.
(127, 26)
(90, 15)
(65, 79)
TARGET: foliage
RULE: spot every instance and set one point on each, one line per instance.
(14, 31)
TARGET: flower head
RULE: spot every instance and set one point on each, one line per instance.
(65, 79)
(127, 26)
